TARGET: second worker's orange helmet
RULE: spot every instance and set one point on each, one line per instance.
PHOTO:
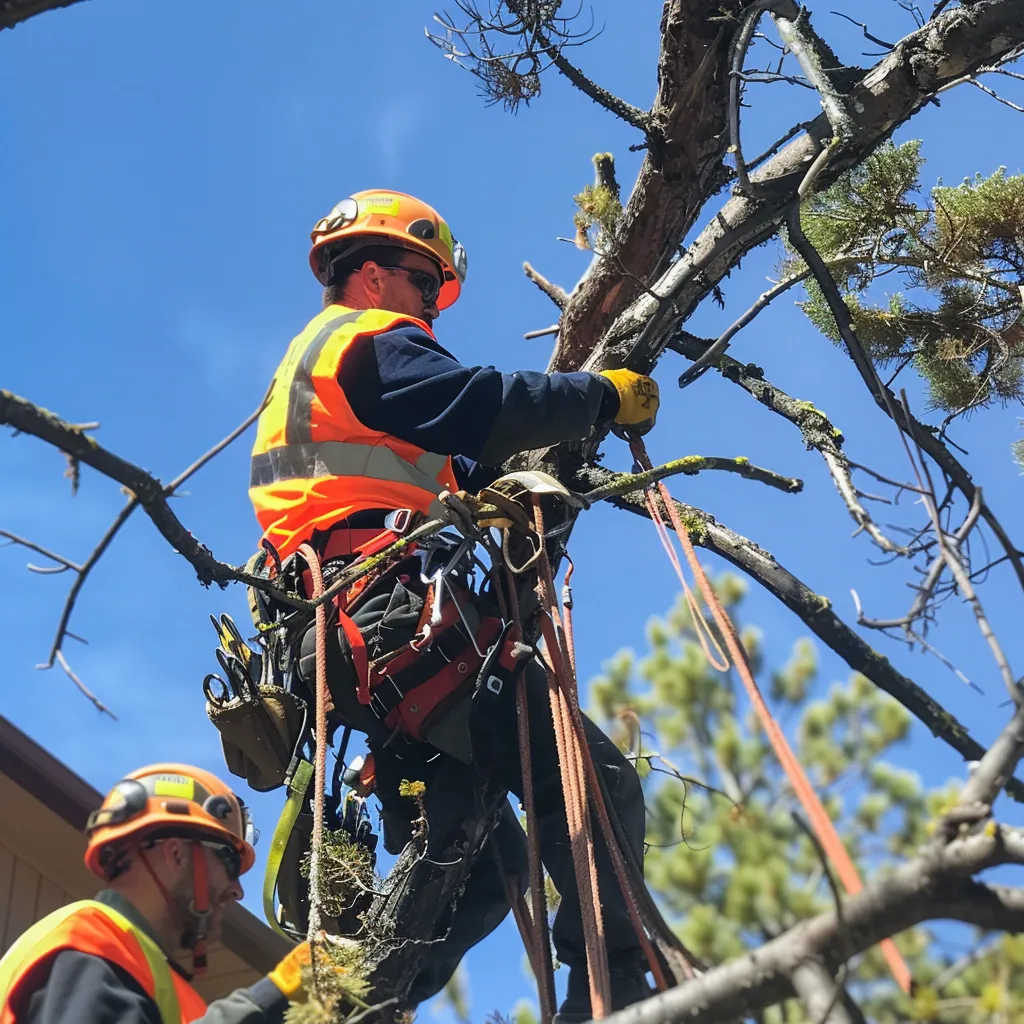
(383, 217)
(165, 800)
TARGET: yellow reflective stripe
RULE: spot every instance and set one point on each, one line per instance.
(164, 994)
(18, 954)
(344, 458)
(282, 833)
(301, 387)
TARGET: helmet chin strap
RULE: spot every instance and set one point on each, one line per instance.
(195, 917)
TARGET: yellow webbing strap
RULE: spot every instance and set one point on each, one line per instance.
(24, 949)
(282, 833)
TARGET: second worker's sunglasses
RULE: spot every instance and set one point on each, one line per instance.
(428, 284)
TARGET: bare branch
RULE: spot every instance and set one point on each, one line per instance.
(957, 43)
(996, 766)
(64, 563)
(817, 430)
(558, 295)
(691, 374)
(751, 16)
(819, 992)
(638, 118)
(820, 65)
(935, 884)
(83, 689)
(13, 12)
(691, 465)
(544, 332)
(149, 492)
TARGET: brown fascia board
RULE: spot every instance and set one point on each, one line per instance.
(71, 798)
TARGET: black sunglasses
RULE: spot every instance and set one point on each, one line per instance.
(428, 284)
(229, 857)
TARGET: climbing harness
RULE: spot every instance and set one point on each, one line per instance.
(462, 649)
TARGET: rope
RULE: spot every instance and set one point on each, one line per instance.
(540, 954)
(820, 821)
(323, 705)
(597, 799)
(562, 695)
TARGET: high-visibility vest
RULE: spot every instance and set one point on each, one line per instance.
(92, 927)
(313, 462)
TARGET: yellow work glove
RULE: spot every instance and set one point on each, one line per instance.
(638, 398)
(287, 975)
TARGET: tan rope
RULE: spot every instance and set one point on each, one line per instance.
(540, 955)
(820, 820)
(597, 799)
(562, 695)
(323, 705)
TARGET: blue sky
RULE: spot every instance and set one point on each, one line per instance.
(162, 165)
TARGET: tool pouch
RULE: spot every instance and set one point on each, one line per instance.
(259, 738)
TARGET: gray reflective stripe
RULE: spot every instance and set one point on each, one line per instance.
(342, 458)
(301, 390)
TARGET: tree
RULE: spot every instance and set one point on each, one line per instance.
(631, 306)
(730, 856)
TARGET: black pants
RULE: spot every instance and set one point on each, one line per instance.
(484, 903)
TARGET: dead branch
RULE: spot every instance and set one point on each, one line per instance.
(956, 43)
(82, 571)
(27, 418)
(13, 12)
(558, 295)
(815, 427)
(690, 466)
(719, 347)
(751, 16)
(814, 610)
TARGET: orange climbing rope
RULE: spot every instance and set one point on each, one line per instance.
(820, 821)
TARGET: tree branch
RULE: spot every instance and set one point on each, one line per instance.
(815, 427)
(557, 294)
(816, 613)
(27, 418)
(638, 118)
(935, 884)
(82, 571)
(679, 171)
(13, 12)
(691, 465)
(955, 44)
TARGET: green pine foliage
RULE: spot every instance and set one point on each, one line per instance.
(726, 859)
(936, 282)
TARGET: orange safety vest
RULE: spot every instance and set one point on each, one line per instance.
(313, 462)
(92, 927)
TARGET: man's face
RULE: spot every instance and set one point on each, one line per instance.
(401, 289)
(224, 889)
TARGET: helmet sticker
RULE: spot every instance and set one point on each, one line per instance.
(174, 785)
(380, 206)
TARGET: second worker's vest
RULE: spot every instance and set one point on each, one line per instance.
(313, 462)
(99, 930)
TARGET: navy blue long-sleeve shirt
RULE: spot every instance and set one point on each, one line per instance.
(404, 383)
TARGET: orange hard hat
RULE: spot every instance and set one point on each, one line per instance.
(383, 217)
(164, 800)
